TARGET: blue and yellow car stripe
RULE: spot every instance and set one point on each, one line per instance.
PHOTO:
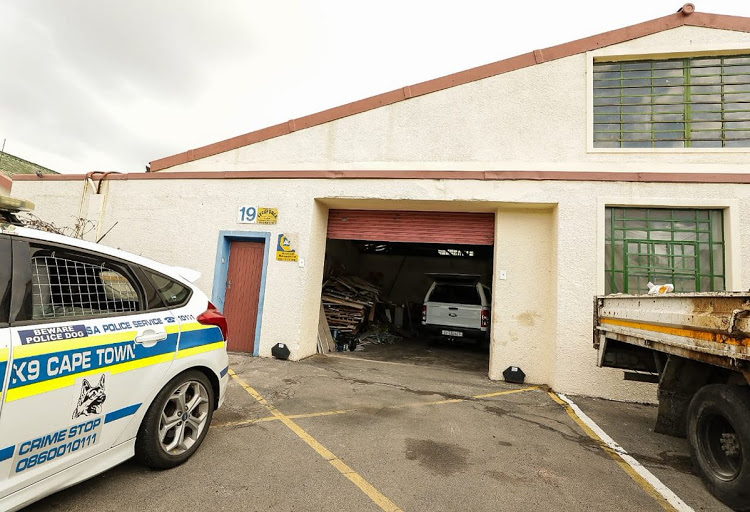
(45, 367)
(8, 451)
(192, 344)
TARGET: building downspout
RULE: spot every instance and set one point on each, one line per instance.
(93, 206)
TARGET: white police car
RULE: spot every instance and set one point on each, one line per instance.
(104, 355)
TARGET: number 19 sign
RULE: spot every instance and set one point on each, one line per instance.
(255, 214)
(247, 214)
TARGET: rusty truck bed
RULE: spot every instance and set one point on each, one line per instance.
(711, 327)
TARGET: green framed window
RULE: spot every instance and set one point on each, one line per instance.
(684, 247)
(699, 102)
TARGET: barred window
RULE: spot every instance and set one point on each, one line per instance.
(662, 245)
(699, 102)
(65, 288)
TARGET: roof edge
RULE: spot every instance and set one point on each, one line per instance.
(5, 181)
(650, 177)
(697, 19)
(41, 168)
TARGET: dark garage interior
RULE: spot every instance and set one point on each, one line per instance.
(390, 280)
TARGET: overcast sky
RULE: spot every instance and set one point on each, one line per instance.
(111, 85)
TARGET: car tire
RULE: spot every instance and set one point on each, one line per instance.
(176, 422)
(718, 431)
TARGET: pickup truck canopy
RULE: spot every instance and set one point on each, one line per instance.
(465, 279)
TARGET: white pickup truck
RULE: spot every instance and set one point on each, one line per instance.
(457, 306)
(697, 347)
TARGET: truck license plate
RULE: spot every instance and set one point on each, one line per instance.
(457, 334)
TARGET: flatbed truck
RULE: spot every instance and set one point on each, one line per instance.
(696, 346)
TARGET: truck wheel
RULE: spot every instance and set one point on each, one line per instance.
(718, 431)
(177, 421)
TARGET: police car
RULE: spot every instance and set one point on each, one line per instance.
(104, 355)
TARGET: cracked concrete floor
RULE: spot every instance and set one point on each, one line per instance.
(423, 437)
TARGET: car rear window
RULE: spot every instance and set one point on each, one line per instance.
(456, 294)
(173, 293)
(65, 287)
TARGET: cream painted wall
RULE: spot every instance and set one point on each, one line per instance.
(550, 234)
(523, 323)
(544, 316)
(534, 118)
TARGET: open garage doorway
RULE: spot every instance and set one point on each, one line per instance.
(380, 266)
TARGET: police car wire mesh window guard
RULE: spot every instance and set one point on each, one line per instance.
(69, 288)
(699, 102)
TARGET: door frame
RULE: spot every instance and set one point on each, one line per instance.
(221, 271)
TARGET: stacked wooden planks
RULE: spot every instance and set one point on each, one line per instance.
(348, 301)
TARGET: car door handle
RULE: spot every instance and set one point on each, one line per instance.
(150, 337)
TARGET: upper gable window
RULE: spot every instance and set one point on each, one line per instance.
(699, 102)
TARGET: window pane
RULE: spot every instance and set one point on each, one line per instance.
(619, 256)
(706, 144)
(664, 245)
(171, 291)
(457, 294)
(660, 235)
(718, 91)
(705, 284)
(717, 226)
(684, 284)
(669, 144)
(636, 234)
(718, 284)
(660, 214)
(604, 137)
(744, 143)
(706, 116)
(67, 288)
(718, 252)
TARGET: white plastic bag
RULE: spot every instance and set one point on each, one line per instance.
(659, 289)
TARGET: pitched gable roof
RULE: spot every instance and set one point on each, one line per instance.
(11, 165)
(684, 17)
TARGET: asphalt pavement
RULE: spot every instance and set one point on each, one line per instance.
(341, 433)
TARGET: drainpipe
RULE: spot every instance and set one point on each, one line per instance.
(96, 204)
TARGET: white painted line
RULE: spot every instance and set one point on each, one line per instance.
(662, 489)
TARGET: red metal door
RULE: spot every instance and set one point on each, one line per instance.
(412, 226)
(242, 295)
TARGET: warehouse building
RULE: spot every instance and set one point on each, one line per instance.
(586, 168)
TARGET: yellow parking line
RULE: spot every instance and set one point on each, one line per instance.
(274, 418)
(346, 411)
(618, 458)
(376, 496)
(506, 392)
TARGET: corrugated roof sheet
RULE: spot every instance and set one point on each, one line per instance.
(11, 165)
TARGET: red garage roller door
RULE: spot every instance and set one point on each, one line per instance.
(407, 226)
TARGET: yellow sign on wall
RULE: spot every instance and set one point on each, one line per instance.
(268, 215)
(284, 250)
